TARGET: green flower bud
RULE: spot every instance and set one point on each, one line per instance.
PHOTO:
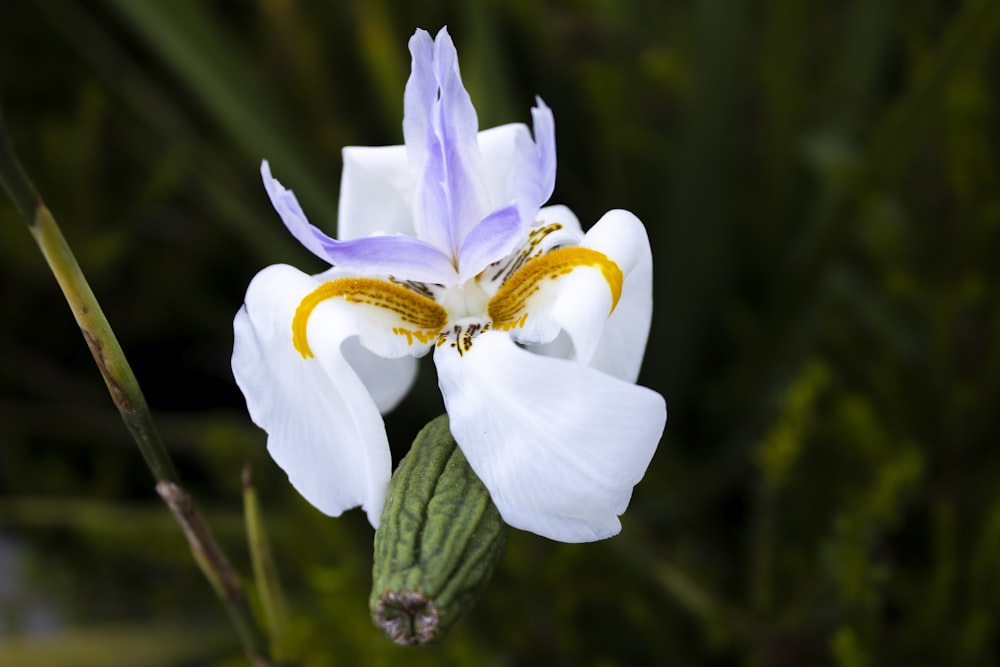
(438, 542)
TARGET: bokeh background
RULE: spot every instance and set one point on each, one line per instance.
(821, 186)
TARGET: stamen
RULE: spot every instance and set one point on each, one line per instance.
(462, 336)
(515, 262)
(426, 316)
(507, 307)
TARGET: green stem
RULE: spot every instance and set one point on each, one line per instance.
(214, 564)
(108, 354)
(272, 596)
(127, 395)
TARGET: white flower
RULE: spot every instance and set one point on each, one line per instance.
(538, 330)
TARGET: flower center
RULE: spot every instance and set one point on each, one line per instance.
(461, 334)
(457, 315)
(465, 300)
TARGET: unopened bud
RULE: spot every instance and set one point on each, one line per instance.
(439, 540)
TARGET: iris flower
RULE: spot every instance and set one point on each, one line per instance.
(537, 329)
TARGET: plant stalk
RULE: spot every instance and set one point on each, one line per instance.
(127, 395)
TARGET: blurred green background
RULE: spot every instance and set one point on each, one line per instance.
(821, 186)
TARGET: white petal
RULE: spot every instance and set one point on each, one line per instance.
(621, 236)
(576, 305)
(559, 445)
(564, 216)
(324, 429)
(509, 154)
(376, 189)
(387, 380)
(518, 167)
(499, 146)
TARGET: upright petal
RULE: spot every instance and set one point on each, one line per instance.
(457, 126)
(501, 148)
(401, 256)
(559, 445)
(439, 128)
(536, 170)
(324, 429)
(423, 147)
(376, 192)
(518, 169)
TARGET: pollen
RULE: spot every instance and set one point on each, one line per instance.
(411, 334)
(461, 336)
(508, 308)
(535, 237)
(419, 317)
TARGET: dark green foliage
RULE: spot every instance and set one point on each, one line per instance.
(821, 186)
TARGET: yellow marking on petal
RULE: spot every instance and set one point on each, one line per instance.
(422, 336)
(425, 315)
(507, 307)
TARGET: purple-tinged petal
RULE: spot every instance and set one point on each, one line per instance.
(440, 128)
(291, 213)
(536, 171)
(423, 147)
(431, 209)
(418, 99)
(492, 239)
(456, 125)
(401, 256)
(519, 168)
